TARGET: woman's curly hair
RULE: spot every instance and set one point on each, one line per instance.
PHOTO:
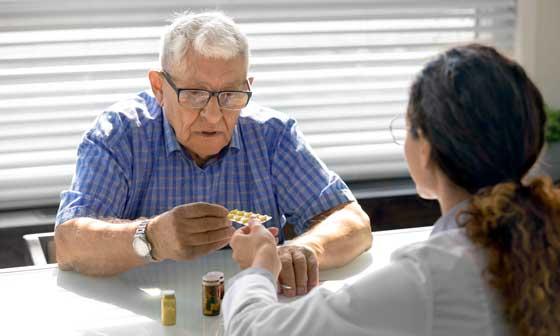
(485, 121)
(519, 228)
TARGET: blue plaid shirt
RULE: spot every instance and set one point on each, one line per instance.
(130, 165)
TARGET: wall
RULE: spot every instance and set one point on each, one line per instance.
(538, 45)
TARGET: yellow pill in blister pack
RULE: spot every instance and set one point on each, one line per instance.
(242, 217)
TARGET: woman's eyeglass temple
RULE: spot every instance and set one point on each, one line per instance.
(397, 127)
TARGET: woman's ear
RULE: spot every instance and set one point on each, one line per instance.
(425, 153)
(156, 83)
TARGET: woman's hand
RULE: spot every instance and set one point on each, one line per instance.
(255, 246)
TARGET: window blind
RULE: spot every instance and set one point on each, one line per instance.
(341, 68)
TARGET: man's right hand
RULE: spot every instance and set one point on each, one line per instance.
(189, 231)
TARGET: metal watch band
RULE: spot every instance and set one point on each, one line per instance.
(141, 234)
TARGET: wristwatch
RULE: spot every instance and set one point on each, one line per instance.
(140, 242)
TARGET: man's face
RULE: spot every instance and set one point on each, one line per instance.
(203, 132)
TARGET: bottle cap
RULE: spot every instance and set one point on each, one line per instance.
(167, 292)
(210, 278)
(217, 273)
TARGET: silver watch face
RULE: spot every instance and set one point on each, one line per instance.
(140, 247)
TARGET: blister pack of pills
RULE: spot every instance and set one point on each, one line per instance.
(242, 217)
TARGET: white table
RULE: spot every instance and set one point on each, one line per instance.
(46, 301)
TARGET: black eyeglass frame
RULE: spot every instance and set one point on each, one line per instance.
(210, 93)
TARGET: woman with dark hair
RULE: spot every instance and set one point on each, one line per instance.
(475, 126)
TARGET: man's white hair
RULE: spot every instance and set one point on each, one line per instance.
(209, 34)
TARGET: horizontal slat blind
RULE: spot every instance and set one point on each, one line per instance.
(341, 68)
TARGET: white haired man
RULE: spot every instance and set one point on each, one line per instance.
(156, 175)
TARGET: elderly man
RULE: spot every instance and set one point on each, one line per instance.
(156, 175)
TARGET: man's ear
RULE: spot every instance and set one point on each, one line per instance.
(156, 82)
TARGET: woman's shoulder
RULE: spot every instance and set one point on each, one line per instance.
(445, 252)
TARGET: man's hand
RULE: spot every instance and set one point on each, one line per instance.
(300, 270)
(255, 246)
(189, 231)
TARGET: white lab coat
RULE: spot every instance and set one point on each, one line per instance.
(429, 288)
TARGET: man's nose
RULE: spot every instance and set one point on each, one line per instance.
(211, 112)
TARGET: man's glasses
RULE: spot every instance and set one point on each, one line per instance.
(199, 98)
(398, 129)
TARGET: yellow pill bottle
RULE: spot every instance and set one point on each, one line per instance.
(168, 308)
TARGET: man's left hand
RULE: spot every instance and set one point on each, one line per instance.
(300, 270)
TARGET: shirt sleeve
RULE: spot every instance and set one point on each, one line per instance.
(395, 300)
(303, 183)
(100, 183)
